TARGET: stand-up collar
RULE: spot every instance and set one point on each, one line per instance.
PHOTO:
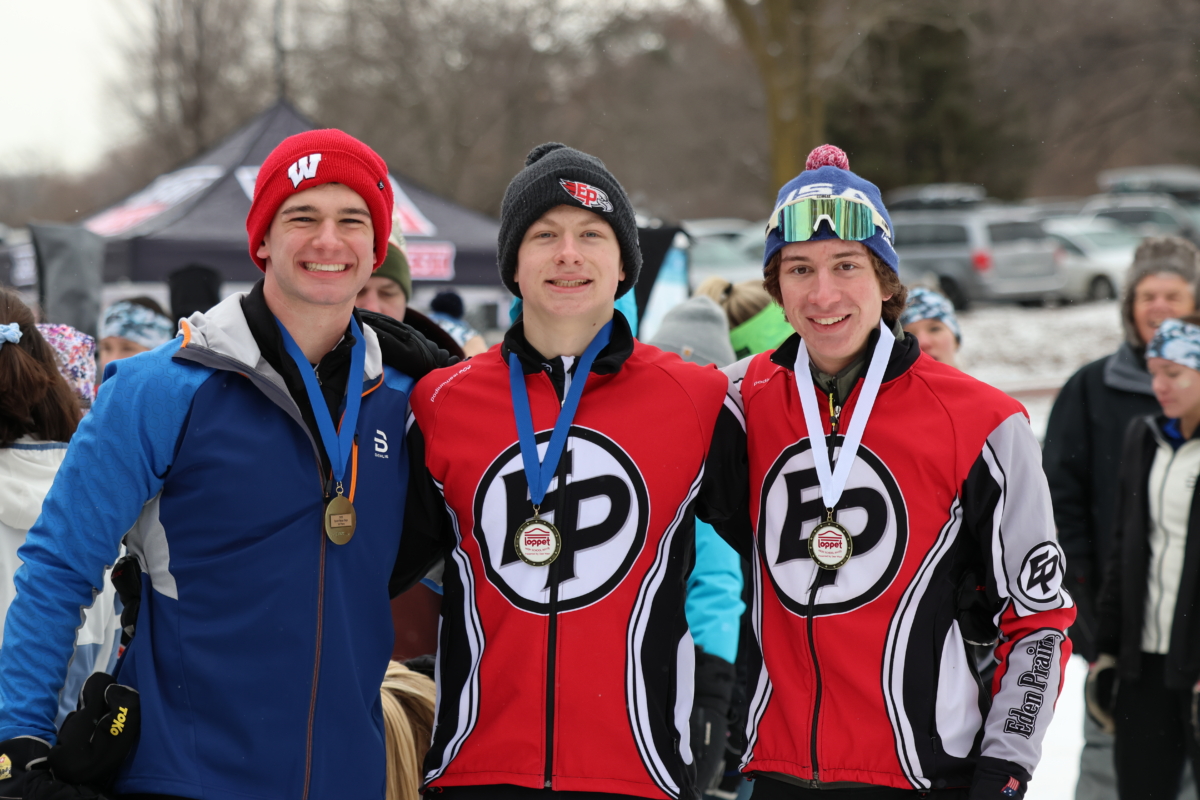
(609, 361)
(904, 354)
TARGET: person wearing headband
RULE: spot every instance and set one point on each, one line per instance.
(1149, 639)
(566, 467)
(900, 513)
(132, 326)
(930, 318)
(254, 467)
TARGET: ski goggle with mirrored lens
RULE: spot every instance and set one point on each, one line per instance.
(850, 220)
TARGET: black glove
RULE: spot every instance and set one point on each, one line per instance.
(997, 779)
(710, 716)
(1100, 692)
(94, 740)
(976, 615)
(127, 580)
(25, 774)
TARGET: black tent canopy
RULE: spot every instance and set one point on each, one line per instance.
(197, 215)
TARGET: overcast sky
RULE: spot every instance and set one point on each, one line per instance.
(57, 61)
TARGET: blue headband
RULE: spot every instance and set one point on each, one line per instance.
(927, 304)
(10, 332)
(1178, 341)
(138, 324)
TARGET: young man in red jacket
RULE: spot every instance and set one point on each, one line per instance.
(565, 469)
(916, 521)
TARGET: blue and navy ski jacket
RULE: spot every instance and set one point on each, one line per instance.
(260, 645)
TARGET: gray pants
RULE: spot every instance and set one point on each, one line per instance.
(1098, 778)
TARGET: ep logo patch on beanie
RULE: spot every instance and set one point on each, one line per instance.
(589, 196)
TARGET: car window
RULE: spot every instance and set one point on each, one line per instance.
(1068, 245)
(1165, 219)
(1137, 216)
(923, 234)
(1002, 232)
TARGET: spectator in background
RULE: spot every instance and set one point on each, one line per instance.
(697, 331)
(133, 326)
(446, 310)
(38, 415)
(930, 317)
(1149, 629)
(76, 355)
(755, 323)
(1082, 452)
(388, 292)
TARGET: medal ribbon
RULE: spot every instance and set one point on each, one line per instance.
(540, 473)
(833, 485)
(339, 442)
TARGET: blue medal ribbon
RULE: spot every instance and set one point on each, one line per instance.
(540, 473)
(339, 442)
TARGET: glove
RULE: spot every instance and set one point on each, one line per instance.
(710, 716)
(975, 612)
(1101, 692)
(95, 739)
(127, 580)
(997, 779)
(25, 773)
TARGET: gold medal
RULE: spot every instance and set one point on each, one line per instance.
(830, 544)
(340, 520)
(537, 542)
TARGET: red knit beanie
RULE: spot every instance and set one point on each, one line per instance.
(310, 159)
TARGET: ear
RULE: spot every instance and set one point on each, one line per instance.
(264, 250)
(621, 270)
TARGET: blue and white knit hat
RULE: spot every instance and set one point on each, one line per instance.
(1178, 341)
(827, 174)
(136, 323)
(927, 304)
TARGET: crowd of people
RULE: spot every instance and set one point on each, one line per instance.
(783, 548)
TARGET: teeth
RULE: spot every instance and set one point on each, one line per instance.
(569, 284)
(829, 320)
(313, 266)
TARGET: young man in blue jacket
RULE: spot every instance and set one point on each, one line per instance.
(253, 466)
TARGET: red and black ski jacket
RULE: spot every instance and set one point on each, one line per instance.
(576, 676)
(862, 674)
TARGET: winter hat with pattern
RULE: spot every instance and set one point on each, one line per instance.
(313, 158)
(827, 174)
(927, 304)
(1178, 341)
(557, 175)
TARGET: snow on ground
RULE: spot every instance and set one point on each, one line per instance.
(1030, 352)
(1055, 777)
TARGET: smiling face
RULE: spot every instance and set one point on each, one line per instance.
(320, 248)
(1177, 388)
(832, 298)
(569, 266)
(935, 338)
(1157, 297)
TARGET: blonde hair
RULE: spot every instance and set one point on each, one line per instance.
(741, 301)
(408, 699)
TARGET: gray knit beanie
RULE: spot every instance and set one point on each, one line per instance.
(557, 175)
(1154, 255)
(698, 331)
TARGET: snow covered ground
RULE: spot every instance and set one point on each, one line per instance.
(1030, 352)
(1055, 776)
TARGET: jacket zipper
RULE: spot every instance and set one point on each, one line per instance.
(552, 637)
(835, 413)
(312, 702)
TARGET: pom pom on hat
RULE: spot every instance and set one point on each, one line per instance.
(827, 155)
(541, 150)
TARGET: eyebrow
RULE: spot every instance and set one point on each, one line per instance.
(835, 255)
(313, 209)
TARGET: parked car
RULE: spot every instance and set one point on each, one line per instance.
(988, 253)
(1098, 254)
(733, 255)
(1145, 214)
(1180, 181)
